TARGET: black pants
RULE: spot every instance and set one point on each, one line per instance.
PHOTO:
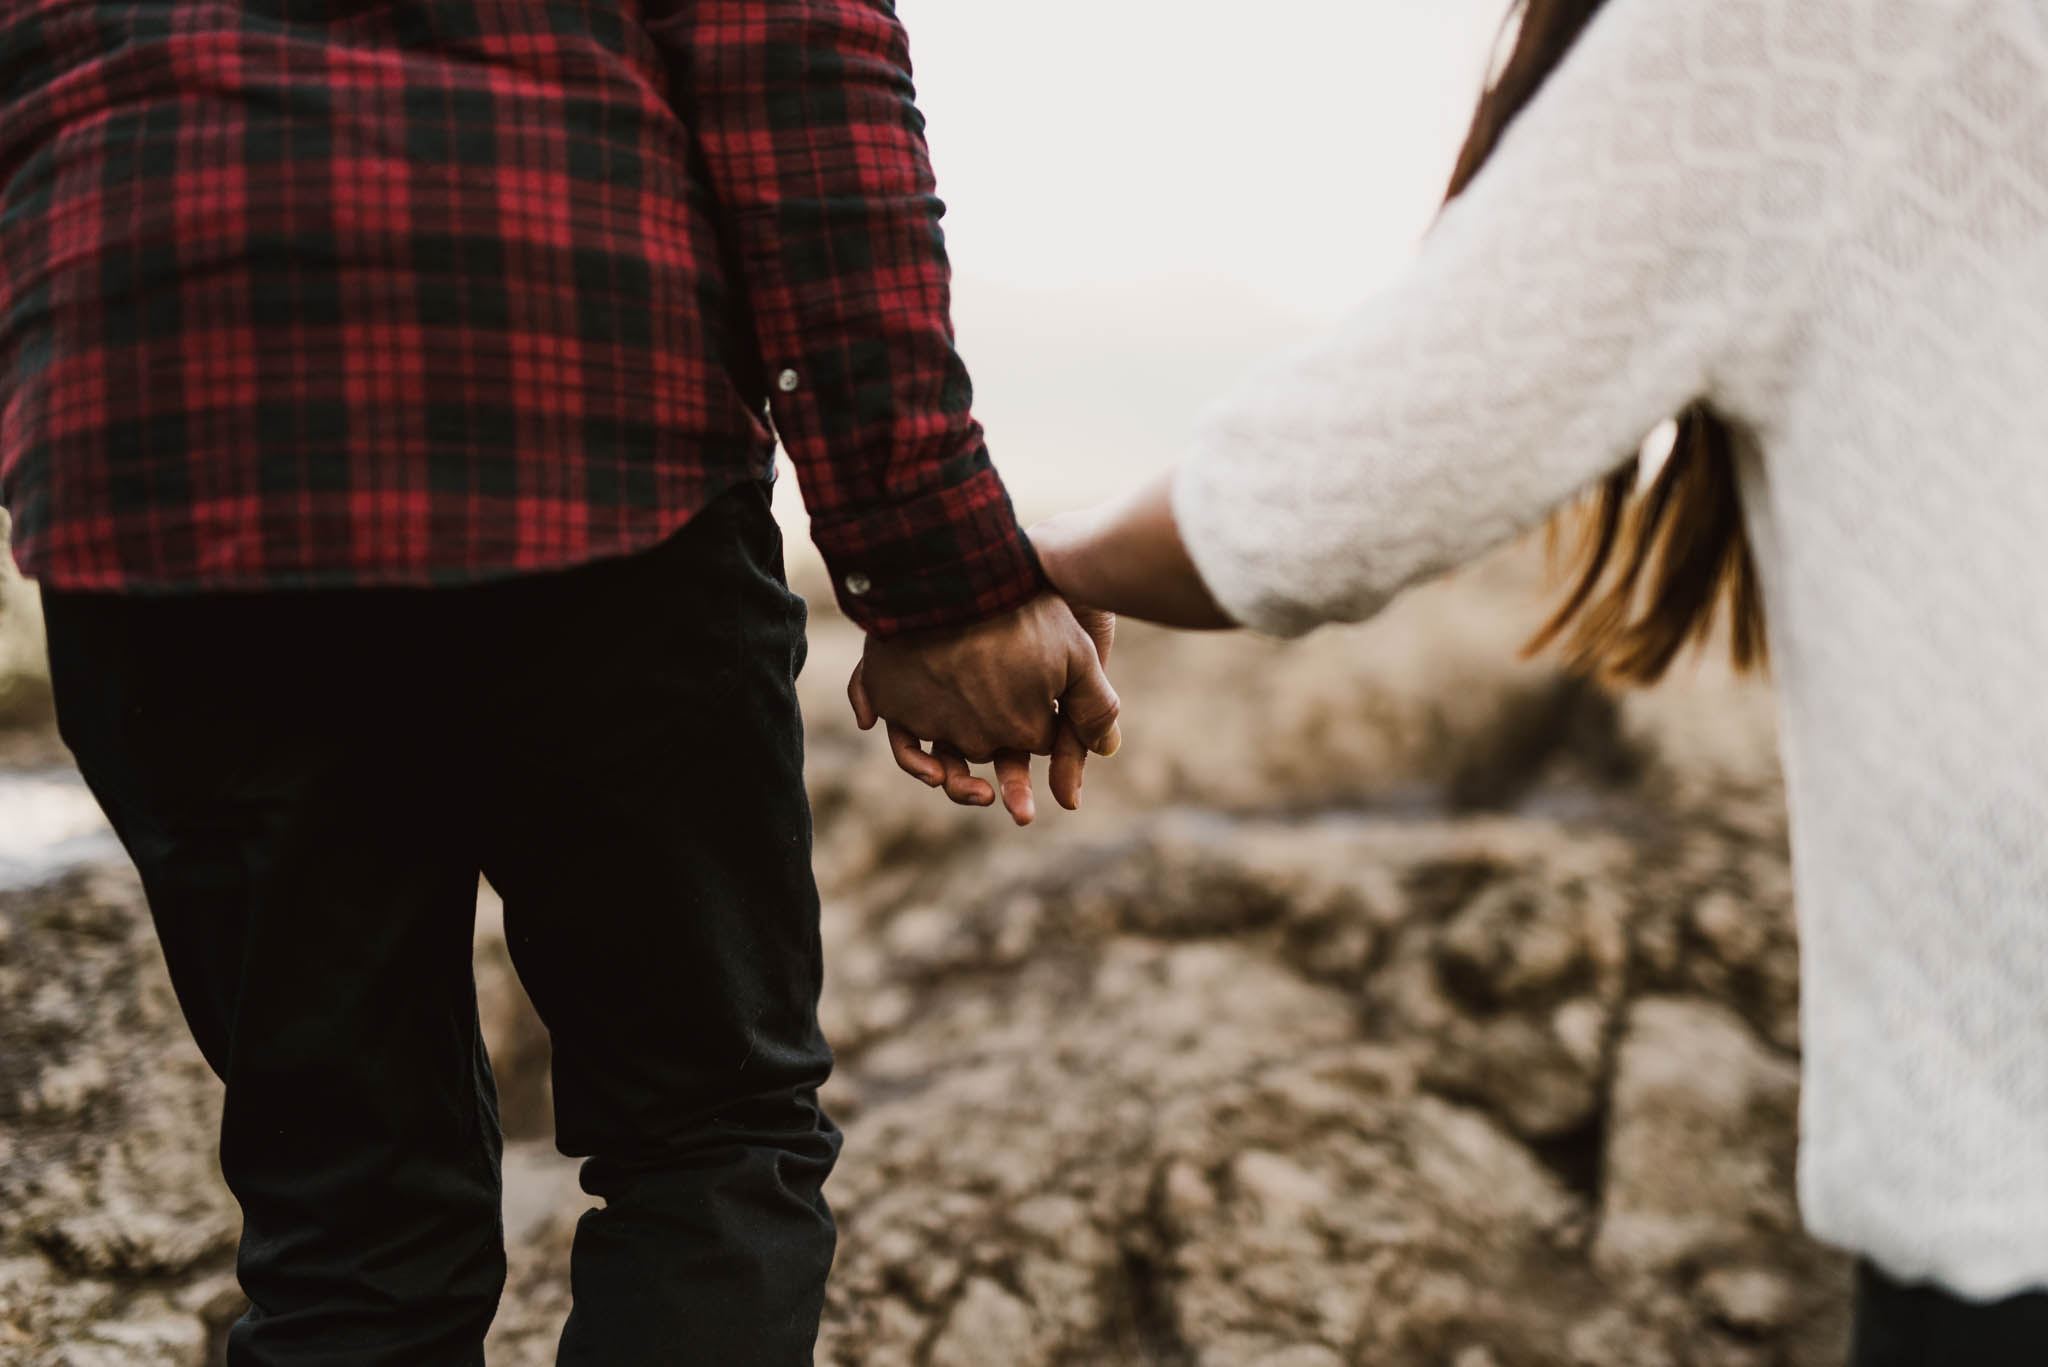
(310, 783)
(1898, 1325)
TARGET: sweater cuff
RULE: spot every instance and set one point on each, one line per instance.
(1242, 561)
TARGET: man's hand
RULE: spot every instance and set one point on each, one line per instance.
(1013, 767)
(989, 692)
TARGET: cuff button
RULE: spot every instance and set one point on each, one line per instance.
(858, 584)
(788, 381)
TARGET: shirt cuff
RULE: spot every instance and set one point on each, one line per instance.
(946, 559)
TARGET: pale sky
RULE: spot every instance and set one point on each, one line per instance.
(1294, 148)
(1145, 197)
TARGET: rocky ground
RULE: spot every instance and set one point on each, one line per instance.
(24, 672)
(1392, 1002)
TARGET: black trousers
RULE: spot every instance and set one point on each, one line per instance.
(1900, 1325)
(310, 783)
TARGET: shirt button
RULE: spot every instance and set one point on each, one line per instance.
(858, 584)
(787, 381)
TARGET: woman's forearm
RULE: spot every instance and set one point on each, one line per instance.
(1128, 558)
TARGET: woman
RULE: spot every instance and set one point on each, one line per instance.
(1817, 231)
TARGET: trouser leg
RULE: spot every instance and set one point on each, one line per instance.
(647, 825)
(1901, 1325)
(269, 768)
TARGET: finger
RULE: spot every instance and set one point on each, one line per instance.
(1027, 726)
(1101, 628)
(1090, 705)
(1013, 776)
(990, 740)
(857, 694)
(1063, 775)
(1046, 736)
(961, 784)
(911, 758)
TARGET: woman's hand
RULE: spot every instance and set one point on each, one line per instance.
(1127, 557)
(1029, 682)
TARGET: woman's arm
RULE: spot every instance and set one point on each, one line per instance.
(1128, 558)
(1654, 221)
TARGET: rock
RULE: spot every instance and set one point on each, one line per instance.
(108, 1176)
(1522, 1070)
(513, 1034)
(1686, 1178)
(1197, 1142)
(1732, 931)
(217, 1300)
(1512, 969)
(1302, 1355)
(24, 666)
(1282, 1192)
(1442, 1011)
(148, 1333)
(987, 1328)
(1225, 1090)
(1616, 1337)
(1751, 1299)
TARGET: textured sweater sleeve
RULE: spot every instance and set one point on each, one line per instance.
(1659, 202)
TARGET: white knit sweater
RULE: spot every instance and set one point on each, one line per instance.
(1830, 219)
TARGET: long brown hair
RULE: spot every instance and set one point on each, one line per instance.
(1652, 565)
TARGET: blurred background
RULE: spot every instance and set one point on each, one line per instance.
(1393, 1002)
(1145, 200)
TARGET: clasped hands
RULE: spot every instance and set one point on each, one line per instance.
(1030, 682)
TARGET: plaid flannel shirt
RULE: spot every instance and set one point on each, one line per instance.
(327, 293)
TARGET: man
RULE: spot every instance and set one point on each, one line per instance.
(388, 403)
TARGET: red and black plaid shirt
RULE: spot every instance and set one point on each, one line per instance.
(317, 293)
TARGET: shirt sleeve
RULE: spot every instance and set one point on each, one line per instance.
(815, 153)
(1658, 205)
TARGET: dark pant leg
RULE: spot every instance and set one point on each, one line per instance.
(269, 765)
(1900, 1325)
(647, 825)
